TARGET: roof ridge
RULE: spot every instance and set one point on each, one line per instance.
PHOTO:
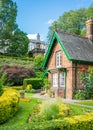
(73, 34)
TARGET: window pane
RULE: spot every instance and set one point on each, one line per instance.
(55, 80)
(62, 80)
(58, 59)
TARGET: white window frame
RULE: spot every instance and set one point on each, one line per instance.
(58, 59)
(55, 80)
(62, 80)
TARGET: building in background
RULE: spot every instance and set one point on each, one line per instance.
(37, 47)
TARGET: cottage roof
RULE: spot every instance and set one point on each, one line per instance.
(75, 47)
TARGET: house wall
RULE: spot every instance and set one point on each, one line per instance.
(65, 64)
(72, 73)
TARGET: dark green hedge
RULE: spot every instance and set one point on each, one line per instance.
(37, 83)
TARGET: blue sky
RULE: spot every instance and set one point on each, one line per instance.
(35, 16)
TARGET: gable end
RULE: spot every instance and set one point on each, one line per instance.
(55, 37)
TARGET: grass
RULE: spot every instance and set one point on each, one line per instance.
(89, 103)
(19, 61)
(79, 110)
(22, 114)
(25, 109)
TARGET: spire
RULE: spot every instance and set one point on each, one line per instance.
(38, 37)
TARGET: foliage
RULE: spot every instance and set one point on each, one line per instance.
(50, 110)
(39, 74)
(19, 121)
(72, 21)
(37, 83)
(8, 104)
(82, 122)
(2, 82)
(12, 40)
(17, 87)
(89, 103)
(47, 83)
(80, 95)
(19, 46)
(28, 88)
(22, 115)
(15, 74)
(38, 60)
(8, 13)
(87, 81)
(16, 61)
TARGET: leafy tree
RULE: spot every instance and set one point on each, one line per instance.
(72, 21)
(12, 39)
(8, 12)
(19, 45)
(38, 60)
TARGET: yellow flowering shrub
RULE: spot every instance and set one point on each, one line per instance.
(80, 122)
(8, 104)
(29, 86)
(53, 109)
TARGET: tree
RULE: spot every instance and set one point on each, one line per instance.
(72, 21)
(38, 61)
(12, 39)
(19, 44)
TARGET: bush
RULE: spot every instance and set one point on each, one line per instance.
(49, 110)
(37, 83)
(54, 109)
(8, 104)
(80, 95)
(81, 122)
(15, 74)
(2, 83)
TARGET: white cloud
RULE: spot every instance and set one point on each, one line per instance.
(32, 36)
(50, 21)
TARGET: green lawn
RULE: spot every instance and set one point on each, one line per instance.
(22, 114)
(89, 103)
(25, 109)
(79, 110)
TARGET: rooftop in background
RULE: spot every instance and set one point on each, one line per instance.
(36, 46)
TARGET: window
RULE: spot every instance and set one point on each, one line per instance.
(55, 80)
(62, 79)
(58, 59)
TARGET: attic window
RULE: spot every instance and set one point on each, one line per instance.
(58, 59)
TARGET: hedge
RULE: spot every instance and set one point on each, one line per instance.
(8, 104)
(81, 122)
(37, 83)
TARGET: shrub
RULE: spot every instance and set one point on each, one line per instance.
(37, 83)
(53, 109)
(49, 110)
(47, 83)
(17, 87)
(2, 82)
(87, 82)
(8, 104)
(15, 74)
(80, 95)
(81, 122)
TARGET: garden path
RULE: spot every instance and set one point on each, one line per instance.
(69, 101)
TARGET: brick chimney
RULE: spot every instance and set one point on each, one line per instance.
(89, 29)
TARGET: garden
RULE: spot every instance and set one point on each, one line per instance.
(20, 109)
